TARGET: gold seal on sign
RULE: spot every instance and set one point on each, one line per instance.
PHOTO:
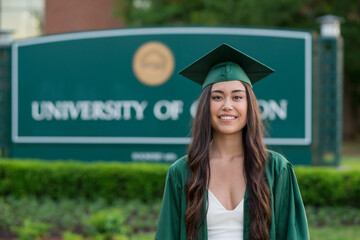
(153, 63)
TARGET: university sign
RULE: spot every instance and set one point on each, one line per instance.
(132, 110)
(121, 87)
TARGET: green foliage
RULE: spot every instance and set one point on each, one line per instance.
(231, 12)
(335, 233)
(30, 230)
(146, 236)
(71, 236)
(63, 213)
(332, 216)
(137, 216)
(97, 218)
(145, 182)
(107, 222)
(328, 187)
(142, 215)
(351, 163)
(77, 179)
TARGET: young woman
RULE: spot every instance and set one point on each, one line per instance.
(230, 186)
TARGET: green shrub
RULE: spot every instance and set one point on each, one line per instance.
(71, 236)
(141, 217)
(78, 179)
(107, 223)
(329, 187)
(144, 236)
(73, 215)
(332, 216)
(31, 230)
(145, 182)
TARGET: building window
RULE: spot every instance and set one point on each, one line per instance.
(24, 18)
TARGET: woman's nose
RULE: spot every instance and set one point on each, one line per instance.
(227, 105)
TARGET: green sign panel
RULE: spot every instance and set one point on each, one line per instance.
(122, 87)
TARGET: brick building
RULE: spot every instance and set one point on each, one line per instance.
(61, 16)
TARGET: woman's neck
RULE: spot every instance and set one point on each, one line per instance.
(226, 146)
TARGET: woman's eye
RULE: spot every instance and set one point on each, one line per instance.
(238, 97)
(216, 97)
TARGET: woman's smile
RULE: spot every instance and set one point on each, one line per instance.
(226, 118)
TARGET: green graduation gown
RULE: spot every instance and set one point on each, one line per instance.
(288, 220)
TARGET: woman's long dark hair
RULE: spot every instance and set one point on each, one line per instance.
(259, 199)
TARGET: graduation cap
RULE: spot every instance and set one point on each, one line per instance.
(225, 63)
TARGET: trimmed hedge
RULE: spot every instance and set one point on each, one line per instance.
(328, 186)
(81, 179)
(59, 179)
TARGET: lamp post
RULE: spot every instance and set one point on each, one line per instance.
(330, 90)
(330, 26)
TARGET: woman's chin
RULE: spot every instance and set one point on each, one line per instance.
(228, 131)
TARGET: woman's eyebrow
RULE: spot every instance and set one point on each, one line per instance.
(219, 91)
(238, 90)
(233, 91)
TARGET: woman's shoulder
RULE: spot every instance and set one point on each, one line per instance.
(277, 158)
(180, 164)
(179, 169)
(276, 163)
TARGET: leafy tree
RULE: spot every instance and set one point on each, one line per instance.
(259, 13)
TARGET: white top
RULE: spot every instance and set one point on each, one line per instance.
(222, 223)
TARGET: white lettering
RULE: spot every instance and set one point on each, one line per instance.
(172, 109)
(88, 110)
(279, 110)
(109, 110)
(154, 156)
(265, 109)
(85, 107)
(139, 109)
(127, 110)
(52, 111)
(73, 110)
(271, 109)
(97, 110)
(177, 109)
(117, 105)
(157, 110)
(36, 113)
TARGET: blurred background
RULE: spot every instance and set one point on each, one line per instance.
(71, 199)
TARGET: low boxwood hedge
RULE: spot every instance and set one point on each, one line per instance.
(329, 186)
(144, 181)
(81, 179)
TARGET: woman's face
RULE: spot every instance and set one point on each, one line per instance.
(228, 107)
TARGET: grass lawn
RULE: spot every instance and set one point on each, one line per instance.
(335, 233)
(323, 233)
(350, 162)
